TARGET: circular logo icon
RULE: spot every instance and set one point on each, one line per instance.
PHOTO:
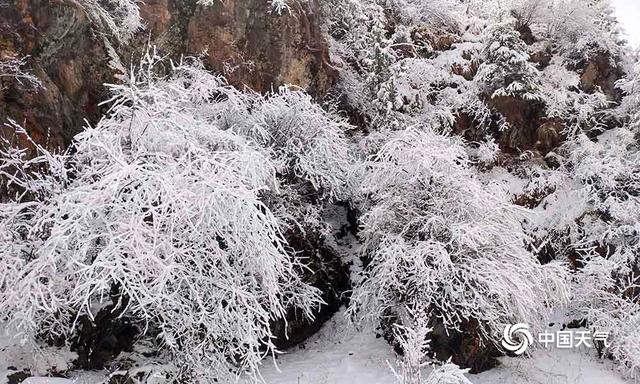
(517, 338)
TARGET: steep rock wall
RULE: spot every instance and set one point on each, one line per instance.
(70, 54)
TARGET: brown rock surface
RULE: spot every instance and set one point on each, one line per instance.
(244, 40)
(65, 55)
(601, 72)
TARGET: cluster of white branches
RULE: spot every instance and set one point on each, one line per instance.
(441, 243)
(587, 209)
(437, 241)
(421, 243)
(608, 292)
(362, 39)
(387, 77)
(306, 140)
(120, 18)
(629, 109)
(173, 210)
(590, 214)
(160, 215)
(580, 29)
(428, 91)
(414, 341)
(580, 111)
(13, 67)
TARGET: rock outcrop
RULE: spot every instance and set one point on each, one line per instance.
(70, 54)
(601, 72)
(66, 55)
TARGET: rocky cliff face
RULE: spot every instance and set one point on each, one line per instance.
(65, 54)
(70, 53)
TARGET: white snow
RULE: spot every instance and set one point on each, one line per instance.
(16, 356)
(47, 380)
(336, 354)
(340, 354)
(555, 366)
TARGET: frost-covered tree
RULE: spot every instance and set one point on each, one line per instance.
(604, 237)
(629, 109)
(414, 343)
(435, 91)
(505, 68)
(588, 215)
(362, 40)
(162, 215)
(442, 245)
(390, 71)
(194, 210)
(582, 29)
(308, 142)
(579, 29)
(564, 100)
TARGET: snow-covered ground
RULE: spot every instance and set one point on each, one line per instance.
(18, 358)
(340, 354)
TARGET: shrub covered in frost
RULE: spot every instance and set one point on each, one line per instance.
(440, 244)
(162, 213)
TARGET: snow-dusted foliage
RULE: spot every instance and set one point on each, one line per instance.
(582, 29)
(391, 72)
(490, 162)
(505, 68)
(462, 76)
(414, 343)
(580, 111)
(435, 91)
(397, 69)
(21, 174)
(589, 216)
(629, 109)
(361, 38)
(120, 18)
(606, 238)
(442, 245)
(160, 216)
(307, 141)
(579, 29)
(13, 67)
(447, 373)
